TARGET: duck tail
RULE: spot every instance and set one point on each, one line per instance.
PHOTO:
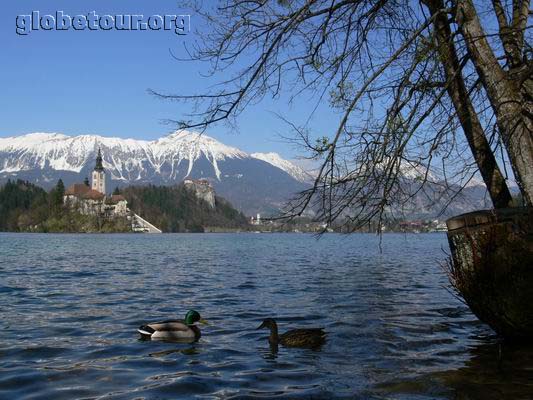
(146, 331)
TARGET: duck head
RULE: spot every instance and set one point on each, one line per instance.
(192, 317)
(268, 323)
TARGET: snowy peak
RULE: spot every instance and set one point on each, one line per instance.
(194, 142)
(293, 170)
(71, 153)
(416, 171)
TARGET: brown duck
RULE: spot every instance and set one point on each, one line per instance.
(311, 338)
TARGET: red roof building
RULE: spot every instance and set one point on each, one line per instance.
(117, 197)
(83, 191)
(77, 190)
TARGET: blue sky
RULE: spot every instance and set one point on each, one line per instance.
(86, 81)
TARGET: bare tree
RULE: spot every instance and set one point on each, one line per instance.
(413, 85)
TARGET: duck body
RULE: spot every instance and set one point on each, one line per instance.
(169, 330)
(173, 330)
(311, 338)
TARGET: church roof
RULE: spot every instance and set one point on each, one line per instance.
(99, 166)
(92, 195)
(77, 189)
(117, 198)
(83, 191)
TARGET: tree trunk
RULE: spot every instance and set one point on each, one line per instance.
(483, 155)
(513, 110)
(491, 267)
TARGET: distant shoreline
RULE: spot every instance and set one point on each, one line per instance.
(222, 232)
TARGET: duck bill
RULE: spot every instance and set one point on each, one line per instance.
(203, 322)
(260, 326)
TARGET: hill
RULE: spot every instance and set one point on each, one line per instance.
(177, 209)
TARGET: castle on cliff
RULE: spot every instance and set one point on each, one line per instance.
(202, 189)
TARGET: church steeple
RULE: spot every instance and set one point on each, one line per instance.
(99, 174)
(99, 166)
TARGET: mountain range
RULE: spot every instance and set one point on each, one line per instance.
(259, 182)
(253, 183)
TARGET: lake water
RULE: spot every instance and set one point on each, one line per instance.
(70, 306)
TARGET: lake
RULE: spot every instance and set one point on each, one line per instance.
(71, 304)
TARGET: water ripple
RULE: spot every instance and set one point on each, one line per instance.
(71, 305)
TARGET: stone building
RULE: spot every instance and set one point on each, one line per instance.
(118, 204)
(86, 200)
(202, 189)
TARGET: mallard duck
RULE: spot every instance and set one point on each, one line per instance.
(309, 337)
(185, 330)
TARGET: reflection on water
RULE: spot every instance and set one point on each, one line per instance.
(493, 370)
(71, 305)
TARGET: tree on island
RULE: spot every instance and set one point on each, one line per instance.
(116, 191)
(56, 195)
(415, 84)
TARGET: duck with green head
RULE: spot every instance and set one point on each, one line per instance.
(311, 338)
(177, 330)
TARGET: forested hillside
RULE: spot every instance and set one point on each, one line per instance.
(25, 207)
(177, 209)
(21, 204)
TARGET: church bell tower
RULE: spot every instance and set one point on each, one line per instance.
(99, 175)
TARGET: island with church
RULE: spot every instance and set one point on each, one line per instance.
(87, 207)
(92, 200)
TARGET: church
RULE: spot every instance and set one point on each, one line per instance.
(93, 200)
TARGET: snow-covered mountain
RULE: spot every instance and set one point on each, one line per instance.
(125, 157)
(293, 170)
(257, 182)
(250, 183)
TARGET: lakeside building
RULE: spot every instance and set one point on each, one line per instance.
(92, 200)
(256, 221)
(418, 226)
